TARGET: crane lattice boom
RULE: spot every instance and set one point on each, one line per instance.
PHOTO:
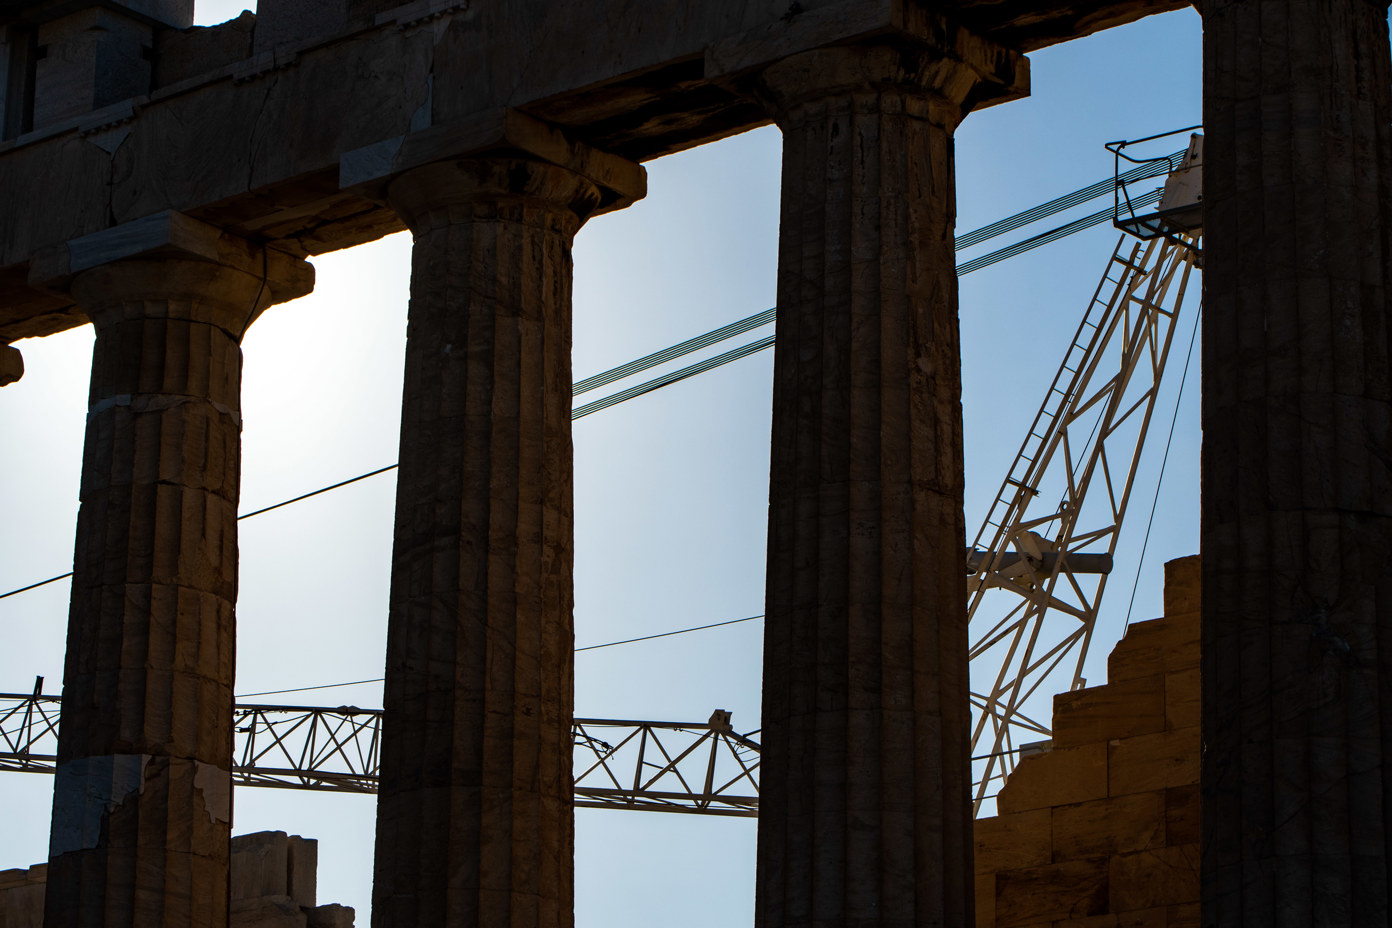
(1039, 564)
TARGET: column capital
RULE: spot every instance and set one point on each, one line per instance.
(501, 133)
(442, 194)
(951, 79)
(176, 263)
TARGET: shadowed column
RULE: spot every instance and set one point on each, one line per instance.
(865, 814)
(142, 797)
(1297, 463)
(475, 822)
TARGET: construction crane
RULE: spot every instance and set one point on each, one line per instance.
(1038, 566)
(1036, 569)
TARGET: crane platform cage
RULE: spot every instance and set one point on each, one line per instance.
(1178, 204)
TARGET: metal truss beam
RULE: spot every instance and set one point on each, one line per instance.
(696, 767)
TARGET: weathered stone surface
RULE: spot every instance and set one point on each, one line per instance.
(93, 57)
(272, 864)
(260, 863)
(998, 73)
(1182, 814)
(22, 897)
(1184, 916)
(1183, 587)
(1071, 889)
(68, 213)
(475, 822)
(985, 900)
(258, 897)
(1297, 491)
(1116, 710)
(286, 22)
(301, 870)
(1058, 777)
(865, 809)
(1106, 827)
(1154, 878)
(267, 912)
(1182, 699)
(18, 47)
(1149, 918)
(328, 916)
(11, 365)
(1158, 761)
(1011, 842)
(1033, 24)
(142, 797)
(33, 313)
(181, 54)
(173, 13)
(22, 906)
(370, 170)
(1157, 646)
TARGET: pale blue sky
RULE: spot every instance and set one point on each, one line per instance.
(671, 488)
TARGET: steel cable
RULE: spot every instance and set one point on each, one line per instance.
(749, 323)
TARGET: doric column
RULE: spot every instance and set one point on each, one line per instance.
(865, 813)
(142, 797)
(1297, 463)
(475, 823)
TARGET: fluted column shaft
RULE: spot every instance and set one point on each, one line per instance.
(142, 798)
(475, 821)
(1297, 464)
(865, 815)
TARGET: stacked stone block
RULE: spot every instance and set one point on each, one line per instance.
(22, 897)
(273, 879)
(1102, 830)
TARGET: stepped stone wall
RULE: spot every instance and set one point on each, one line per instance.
(1102, 830)
(273, 877)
